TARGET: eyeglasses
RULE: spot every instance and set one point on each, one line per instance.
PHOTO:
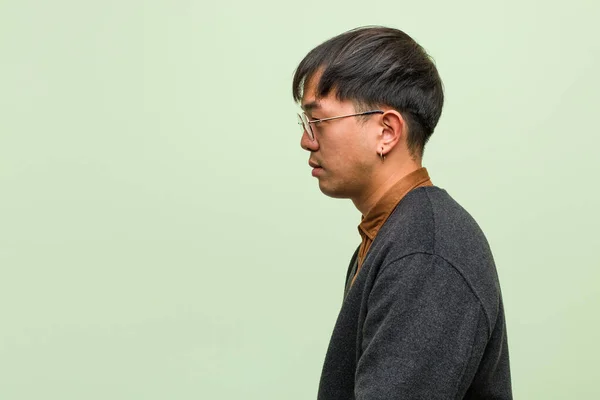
(304, 122)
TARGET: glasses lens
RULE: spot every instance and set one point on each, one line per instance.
(301, 123)
(307, 126)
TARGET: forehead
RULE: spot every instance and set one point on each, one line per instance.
(309, 92)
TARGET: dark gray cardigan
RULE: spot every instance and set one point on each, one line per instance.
(424, 318)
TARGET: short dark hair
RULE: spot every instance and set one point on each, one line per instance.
(374, 66)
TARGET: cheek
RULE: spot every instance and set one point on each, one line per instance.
(346, 151)
(352, 165)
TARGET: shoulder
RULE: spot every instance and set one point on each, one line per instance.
(421, 278)
(428, 221)
(420, 221)
(431, 202)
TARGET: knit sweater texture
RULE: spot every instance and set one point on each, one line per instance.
(424, 318)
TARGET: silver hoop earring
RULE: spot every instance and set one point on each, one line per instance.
(381, 156)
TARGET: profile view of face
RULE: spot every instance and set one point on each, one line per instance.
(343, 150)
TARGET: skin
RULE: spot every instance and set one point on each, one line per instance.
(347, 149)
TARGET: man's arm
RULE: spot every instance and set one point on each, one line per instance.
(424, 333)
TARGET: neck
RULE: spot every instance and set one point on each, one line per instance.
(387, 176)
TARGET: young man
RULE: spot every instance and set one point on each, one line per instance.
(422, 316)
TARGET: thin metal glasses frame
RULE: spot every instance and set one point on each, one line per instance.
(305, 122)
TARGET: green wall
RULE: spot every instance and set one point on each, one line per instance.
(161, 236)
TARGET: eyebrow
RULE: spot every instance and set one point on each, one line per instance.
(313, 105)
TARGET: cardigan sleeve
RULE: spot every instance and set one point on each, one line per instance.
(424, 334)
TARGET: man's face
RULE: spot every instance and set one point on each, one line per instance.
(344, 149)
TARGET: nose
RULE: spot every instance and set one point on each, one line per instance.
(307, 144)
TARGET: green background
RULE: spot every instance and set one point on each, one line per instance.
(161, 236)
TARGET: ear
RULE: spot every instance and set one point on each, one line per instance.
(394, 131)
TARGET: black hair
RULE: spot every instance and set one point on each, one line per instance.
(375, 66)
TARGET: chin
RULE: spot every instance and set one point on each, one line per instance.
(336, 193)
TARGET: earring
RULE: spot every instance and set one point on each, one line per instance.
(381, 155)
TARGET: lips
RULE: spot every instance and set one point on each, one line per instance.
(313, 164)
